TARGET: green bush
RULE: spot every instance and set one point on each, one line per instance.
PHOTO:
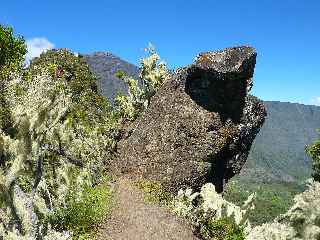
(82, 216)
(222, 229)
(314, 152)
(12, 51)
(211, 215)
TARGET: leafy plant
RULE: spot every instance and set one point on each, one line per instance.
(153, 74)
(222, 229)
(56, 153)
(314, 152)
(12, 51)
(82, 215)
(209, 213)
(300, 222)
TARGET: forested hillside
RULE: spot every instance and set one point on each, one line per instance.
(278, 152)
(277, 165)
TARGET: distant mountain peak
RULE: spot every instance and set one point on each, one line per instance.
(103, 54)
(104, 66)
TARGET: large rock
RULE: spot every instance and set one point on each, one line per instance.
(199, 127)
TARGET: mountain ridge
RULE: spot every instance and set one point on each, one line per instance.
(104, 66)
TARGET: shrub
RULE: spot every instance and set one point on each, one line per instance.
(209, 213)
(56, 152)
(222, 229)
(82, 215)
(153, 74)
(301, 222)
(314, 152)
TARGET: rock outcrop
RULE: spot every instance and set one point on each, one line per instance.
(199, 126)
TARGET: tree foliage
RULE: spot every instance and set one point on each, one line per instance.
(12, 51)
(63, 131)
(62, 64)
(214, 217)
(301, 222)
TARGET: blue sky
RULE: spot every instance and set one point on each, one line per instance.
(285, 33)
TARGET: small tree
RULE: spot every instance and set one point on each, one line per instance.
(314, 152)
(153, 73)
(63, 134)
(12, 51)
(300, 222)
(212, 215)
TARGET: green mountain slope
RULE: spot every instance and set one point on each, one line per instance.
(278, 152)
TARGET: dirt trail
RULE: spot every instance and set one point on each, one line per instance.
(134, 219)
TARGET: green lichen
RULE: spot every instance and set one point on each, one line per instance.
(225, 136)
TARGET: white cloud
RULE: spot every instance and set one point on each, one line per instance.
(36, 46)
(316, 101)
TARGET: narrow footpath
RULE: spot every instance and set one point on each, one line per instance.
(135, 219)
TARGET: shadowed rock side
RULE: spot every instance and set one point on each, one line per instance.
(199, 127)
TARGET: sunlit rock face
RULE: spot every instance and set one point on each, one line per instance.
(200, 125)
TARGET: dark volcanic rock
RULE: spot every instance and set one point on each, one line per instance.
(199, 127)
